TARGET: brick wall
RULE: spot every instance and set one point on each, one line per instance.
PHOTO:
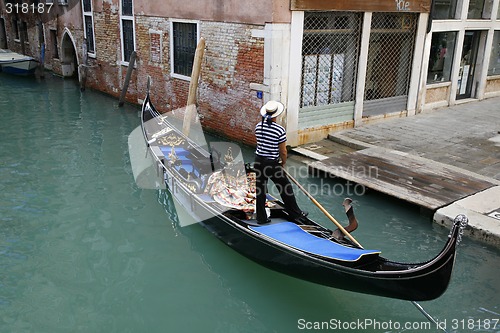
(232, 60)
(106, 72)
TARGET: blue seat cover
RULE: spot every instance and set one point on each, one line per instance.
(291, 234)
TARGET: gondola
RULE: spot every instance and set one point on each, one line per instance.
(303, 249)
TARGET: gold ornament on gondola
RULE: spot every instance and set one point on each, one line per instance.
(171, 140)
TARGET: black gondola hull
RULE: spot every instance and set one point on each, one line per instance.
(374, 275)
(414, 282)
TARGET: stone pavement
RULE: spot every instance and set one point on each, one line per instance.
(465, 137)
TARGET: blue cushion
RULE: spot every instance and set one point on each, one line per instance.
(291, 234)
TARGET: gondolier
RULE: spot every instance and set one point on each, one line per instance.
(270, 158)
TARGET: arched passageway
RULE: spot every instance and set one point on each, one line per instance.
(69, 60)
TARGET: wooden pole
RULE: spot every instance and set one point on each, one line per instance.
(131, 64)
(193, 87)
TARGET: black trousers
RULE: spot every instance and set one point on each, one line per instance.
(270, 169)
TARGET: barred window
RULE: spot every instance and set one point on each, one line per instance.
(127, 8)
(127, 26)
(330, 49)
(128, 39)
(89, 33)
(88, 22)
(87, 5)
(390, 55)
(185, 38)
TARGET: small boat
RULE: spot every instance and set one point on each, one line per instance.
(15, 63)
(216, 190)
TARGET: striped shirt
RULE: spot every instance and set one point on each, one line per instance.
(268, 138)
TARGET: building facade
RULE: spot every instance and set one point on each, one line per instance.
(50, 31)
(462, 51)
(334, 64)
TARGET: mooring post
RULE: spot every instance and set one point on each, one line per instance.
(41, 42)
(131, 64)
(82, 69)
(193, 87)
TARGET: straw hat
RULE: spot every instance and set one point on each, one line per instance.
(272, 109)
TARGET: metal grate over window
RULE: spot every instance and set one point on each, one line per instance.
(185, 40)
(128, 39)
(330, 49)
(390, 55)
(89, 32)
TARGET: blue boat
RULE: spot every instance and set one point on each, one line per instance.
(15, 63)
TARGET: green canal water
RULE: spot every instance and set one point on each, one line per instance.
(83, 249)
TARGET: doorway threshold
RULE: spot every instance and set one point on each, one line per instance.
(466, 100)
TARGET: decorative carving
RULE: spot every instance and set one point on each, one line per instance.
(171, 140)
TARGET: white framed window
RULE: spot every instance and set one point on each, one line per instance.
(88, 26)
(183, 41)
(127, 28)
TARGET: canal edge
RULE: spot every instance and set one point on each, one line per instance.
(482, 207)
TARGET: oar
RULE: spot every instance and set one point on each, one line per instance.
(341, 228)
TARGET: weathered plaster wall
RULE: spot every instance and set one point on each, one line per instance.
(235, 11)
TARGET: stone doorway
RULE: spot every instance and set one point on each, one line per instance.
(69, 60)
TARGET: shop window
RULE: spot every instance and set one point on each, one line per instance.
(127, 27)
(444, 9)
(183, 45)
(441, 56)
(330, 51)
(480, 9)
(494, 67)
